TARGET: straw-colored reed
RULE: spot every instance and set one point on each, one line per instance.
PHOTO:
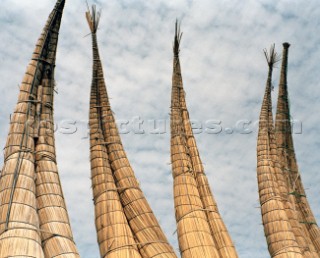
(194, 235)
(115, 237)
(33, 217)
(114, 234)
(285, 147)
(150, 239)
(284, 189)
(19, 221)
(218, 229)
(278, 229)
(54, 221)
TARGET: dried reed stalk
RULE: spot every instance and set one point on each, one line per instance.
(289, 165)
(274, 206)
(218, 229)
(54, 219)
(19, 221)
(34, 220)
(194, 235)
(282, 180)
(114, 233)
(149, 237)
(145, 227)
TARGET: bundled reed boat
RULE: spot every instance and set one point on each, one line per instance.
(125, 224)
(289, 225)
(34, 220)
(200, 228)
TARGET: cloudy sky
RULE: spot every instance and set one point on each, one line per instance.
(224, 73)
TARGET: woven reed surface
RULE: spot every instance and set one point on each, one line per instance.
(288, 161)
(284, 189)
(19, 221)
(33, 217)
(194, 234)
(278, 230)
(149, 237)
(54, 220)
(115, 237)
(218, 229)
(141, 218)
(284, 182)
(287, 200)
